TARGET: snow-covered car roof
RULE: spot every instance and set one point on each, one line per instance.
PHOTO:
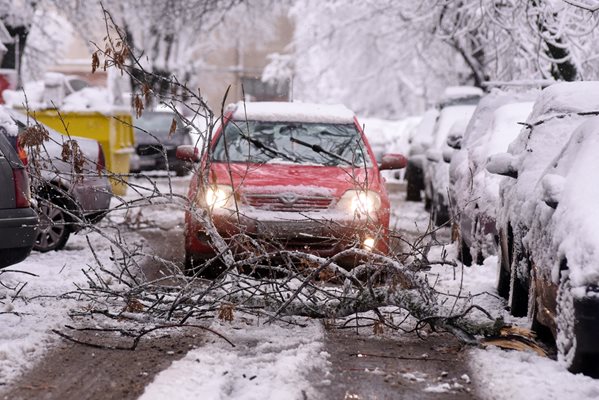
(482, 116)
(449, 116)
(293, 112)
(567, 97)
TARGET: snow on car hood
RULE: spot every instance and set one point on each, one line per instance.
(307, 180)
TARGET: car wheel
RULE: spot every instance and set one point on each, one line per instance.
(439, 214)
(567, 351)
(503, 280)
(53, 231)
(518, 301)
(412, 192)
(464, 254)
(181, 171)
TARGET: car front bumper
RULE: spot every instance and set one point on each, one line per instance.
(321, 233)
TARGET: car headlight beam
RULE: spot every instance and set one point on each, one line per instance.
(360, 201)
(219, 196)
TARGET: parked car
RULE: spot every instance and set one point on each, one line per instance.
(18, 221)
(70, 190)
(478, 191)
(563, 243)
(558, 110)
(468, 162)
(436, 171)
(156, 142)
(292, 175)
(421, 139)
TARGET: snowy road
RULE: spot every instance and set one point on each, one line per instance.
(277, 361)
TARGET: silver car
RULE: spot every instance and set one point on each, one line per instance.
(68, 180)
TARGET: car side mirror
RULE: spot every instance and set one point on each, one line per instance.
(502, 164)
(393, 161)
(434, 155)
(447, 154)
(188, 152)
(553, 186)
(455, 141)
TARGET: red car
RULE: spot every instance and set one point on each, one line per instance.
(291, 176)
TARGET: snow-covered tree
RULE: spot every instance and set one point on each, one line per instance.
(390, 57)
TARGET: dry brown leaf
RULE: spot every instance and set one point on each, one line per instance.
(225, 312)
(134, 306)
(378, 328)
(33, 135)
(138, 105)
(172, 129)
(95, 61)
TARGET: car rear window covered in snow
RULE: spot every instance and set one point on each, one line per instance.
(292, 143)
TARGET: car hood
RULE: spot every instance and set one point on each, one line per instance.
(300, 179)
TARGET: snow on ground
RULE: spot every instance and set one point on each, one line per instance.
(42, 304)
(38, 298)
(269, 362)
(502, 374)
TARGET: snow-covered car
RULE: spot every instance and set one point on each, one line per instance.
(469, 160)
(478, 190)
(18, 221)
(68, 182)
(156, 142)
(296, 176)
(557, 112)
(452, 119)
(563, 242)
(389, 136)
(420, 140)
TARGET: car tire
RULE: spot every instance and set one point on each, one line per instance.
(504, 276)
(568, 353)
(519, 288)
(439, 214)
(464, 254)
(518, 300)
(412, 191)
(53, 231)
(181, 171)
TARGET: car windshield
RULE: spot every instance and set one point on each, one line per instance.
(290, 142)
(158, 124)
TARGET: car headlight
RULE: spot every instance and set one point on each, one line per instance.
(360, 201)
(218, 196)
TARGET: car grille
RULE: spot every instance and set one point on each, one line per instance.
(288, 202)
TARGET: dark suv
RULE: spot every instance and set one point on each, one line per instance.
(18, 221)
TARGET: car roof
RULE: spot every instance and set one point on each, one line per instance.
(293, 112)
(567, 97)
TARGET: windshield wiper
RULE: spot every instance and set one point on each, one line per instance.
(318, 149)
(264, 147)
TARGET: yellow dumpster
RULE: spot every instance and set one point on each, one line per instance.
(114, 132)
